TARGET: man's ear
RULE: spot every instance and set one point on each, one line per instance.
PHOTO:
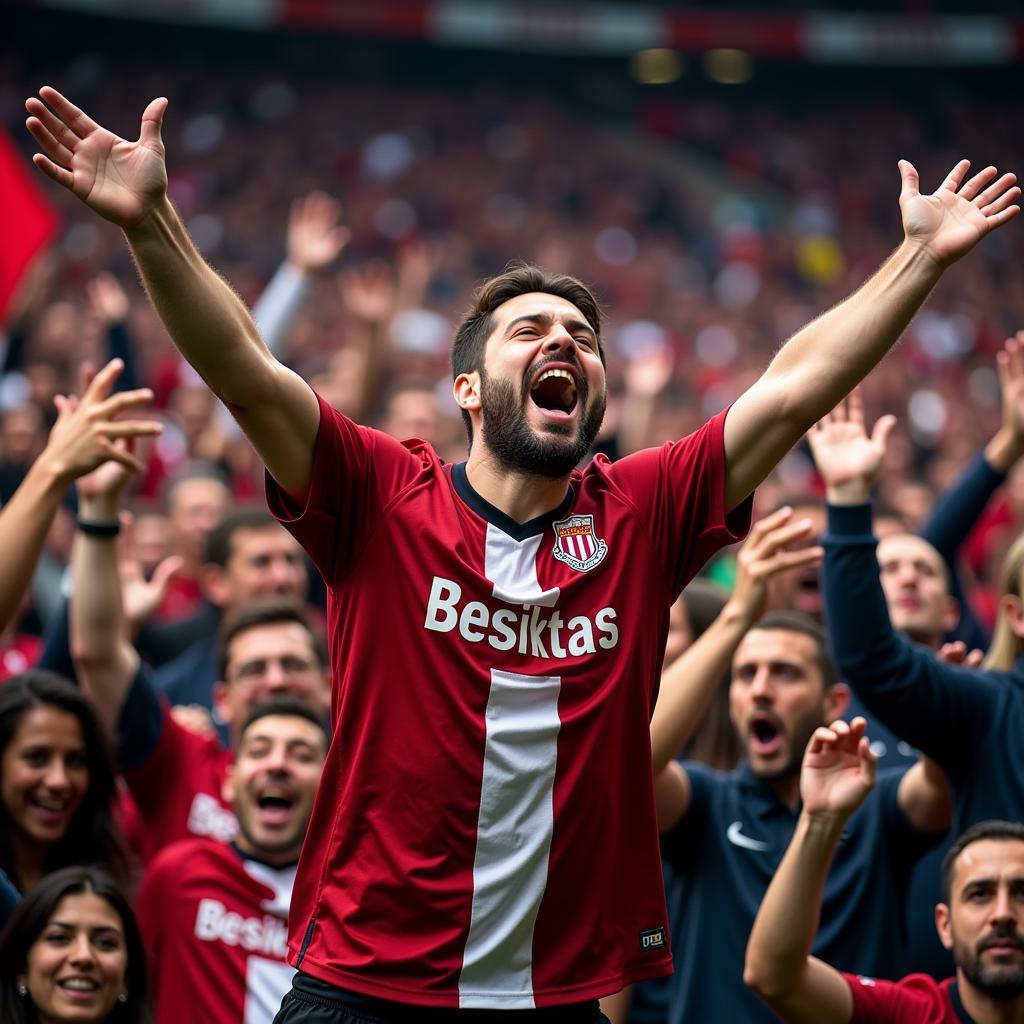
(227, 786)
(837, 701)
(943, 925)
(466, 389)
(1011, 606)
(213, 583)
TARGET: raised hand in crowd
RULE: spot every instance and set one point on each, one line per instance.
(838, 770)
(958, 214)
(87, 433)
(369, 293)
(195, 718)
(688, 683)
(1007, 446)
(107, 299)
(956, 653)
(827, 358)
(126, 182)
(315, 239)
(837, 773)
(646, 377)
(100, 495)
(847, 458)
(415, 266)
(120, 180)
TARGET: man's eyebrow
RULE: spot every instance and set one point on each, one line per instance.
(978, 883)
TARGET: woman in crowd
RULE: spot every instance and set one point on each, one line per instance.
(57, 783)
(72, 952)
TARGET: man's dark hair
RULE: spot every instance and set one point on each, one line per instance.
(1008, 831)
(477, 324)
(798, 622)
(270, 611)
(198, 469)
(220, 542)
(286, 707)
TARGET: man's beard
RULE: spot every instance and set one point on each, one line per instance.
(514, 442)
(1000, 982)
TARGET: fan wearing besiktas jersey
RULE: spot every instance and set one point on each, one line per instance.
(484, 836)
(214, 915)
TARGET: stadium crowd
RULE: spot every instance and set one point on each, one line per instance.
(832, 758)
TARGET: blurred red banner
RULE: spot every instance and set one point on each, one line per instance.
(27, 220)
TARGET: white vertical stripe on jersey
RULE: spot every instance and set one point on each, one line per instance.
(511, 566)
(513, 843)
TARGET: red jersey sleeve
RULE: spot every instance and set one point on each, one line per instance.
(678, 490)
(164, 787)
(915, 999)
(357, 472)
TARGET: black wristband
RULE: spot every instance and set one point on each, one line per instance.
(98, 529)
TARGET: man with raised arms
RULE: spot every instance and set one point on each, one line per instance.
(484, 837)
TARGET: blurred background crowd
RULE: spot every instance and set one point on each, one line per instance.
(355, 190)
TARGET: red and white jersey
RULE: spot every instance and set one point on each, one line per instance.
(176, 793)
(484, 834)
(215, 926)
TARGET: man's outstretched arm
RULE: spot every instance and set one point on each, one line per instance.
(838, 773)
(126, 182)
(822, 362)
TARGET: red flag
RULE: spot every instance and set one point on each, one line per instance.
(27, 220)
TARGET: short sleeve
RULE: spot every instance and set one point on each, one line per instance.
(916, 999)
(356, 473)
(679, 844)
(166, 770)
(678, 491)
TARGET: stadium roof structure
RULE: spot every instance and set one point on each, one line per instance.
(599, 28)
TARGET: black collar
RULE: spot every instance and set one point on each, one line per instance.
(958, 1005)
(486, 511)
(259, 860)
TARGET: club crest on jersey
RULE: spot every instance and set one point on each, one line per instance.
(577, 544)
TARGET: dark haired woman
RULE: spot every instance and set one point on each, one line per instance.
(72, 952)
(57, 782)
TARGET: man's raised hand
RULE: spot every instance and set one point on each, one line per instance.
(120, 180)
(838, 769)
(314, 238)
(89, 432)
(958, 214)
(768, 551)
(847, 458)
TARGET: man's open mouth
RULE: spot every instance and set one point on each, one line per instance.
(765, 734)
(554, 391)
(274, 804)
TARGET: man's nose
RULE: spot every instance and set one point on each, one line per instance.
(559, 340)
(760, 685)
(1003, 908)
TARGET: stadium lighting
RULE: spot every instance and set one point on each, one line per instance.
(728, 67)
(657, 66)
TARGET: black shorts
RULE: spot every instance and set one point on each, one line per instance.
(312, 1001)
